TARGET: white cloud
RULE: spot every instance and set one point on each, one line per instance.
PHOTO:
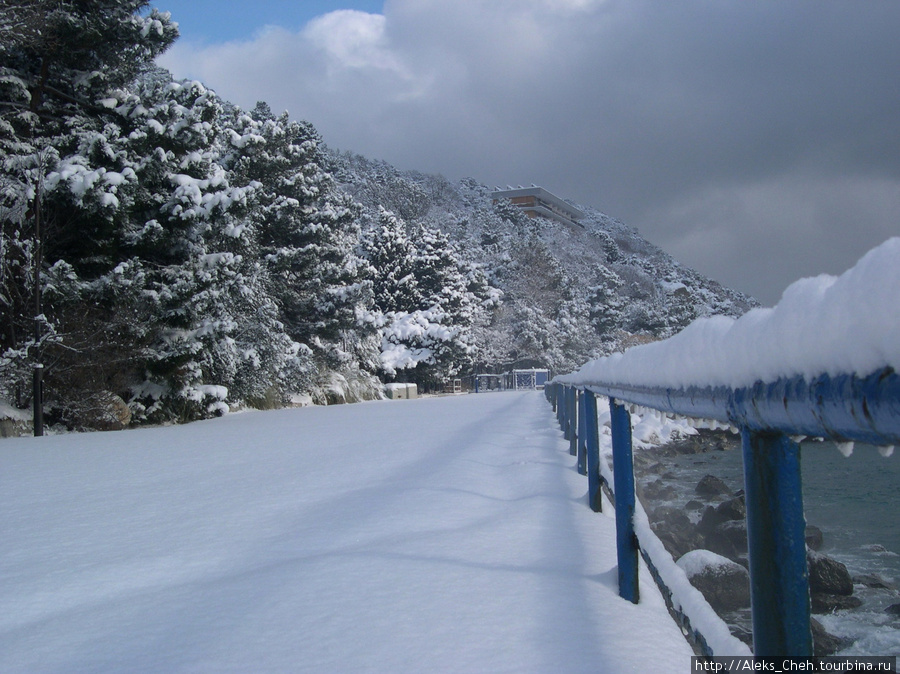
(352, 39)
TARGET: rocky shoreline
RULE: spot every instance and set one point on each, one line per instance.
(703, 526)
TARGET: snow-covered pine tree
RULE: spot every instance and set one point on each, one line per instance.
(307, 233)
(681, 309)
(217, 334)
(153, 278)
(455, 289)
(605, 303)
(429, 300)
(393, 259)
(58, 61)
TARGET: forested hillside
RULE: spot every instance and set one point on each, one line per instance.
(562, 293)
(165, 255)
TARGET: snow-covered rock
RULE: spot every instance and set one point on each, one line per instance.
(724, 583)
(13, 422)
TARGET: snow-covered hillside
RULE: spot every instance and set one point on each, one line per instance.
(570, 292)
(831, 325)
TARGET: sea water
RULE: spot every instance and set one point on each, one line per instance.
(855, 501)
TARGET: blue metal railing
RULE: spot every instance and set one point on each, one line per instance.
(841, 408)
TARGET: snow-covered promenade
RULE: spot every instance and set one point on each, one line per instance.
(433, 535)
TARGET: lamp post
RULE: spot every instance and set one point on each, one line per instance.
(37, 380)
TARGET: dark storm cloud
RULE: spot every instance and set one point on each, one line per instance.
(755, 141)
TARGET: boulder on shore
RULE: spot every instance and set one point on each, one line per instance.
(14, 422)
(675, 530)
(724, 583)
(729, 539)
(657, 490)
(710, 485)
(815, 539)
(827, 575)
(723, 528)
(104, 411)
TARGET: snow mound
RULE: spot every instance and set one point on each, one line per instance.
(696, 562)
(7, 411)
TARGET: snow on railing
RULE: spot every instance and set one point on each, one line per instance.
(822, 363)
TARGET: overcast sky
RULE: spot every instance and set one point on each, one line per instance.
(757, 142)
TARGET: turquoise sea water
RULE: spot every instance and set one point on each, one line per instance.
(855, 501)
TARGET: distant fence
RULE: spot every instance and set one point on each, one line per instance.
(533, 378)
(769, 416)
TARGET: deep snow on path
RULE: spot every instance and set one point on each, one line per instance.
(445, 534)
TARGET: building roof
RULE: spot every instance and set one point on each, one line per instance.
(540, 193)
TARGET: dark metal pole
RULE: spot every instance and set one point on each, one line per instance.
(37, 389)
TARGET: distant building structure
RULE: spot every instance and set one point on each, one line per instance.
(512, 380)
(401, 391)
(523, 379)
(538, 202)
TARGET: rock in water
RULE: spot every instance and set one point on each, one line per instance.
(814, 537)
(829, 603)
(827, 575)
(675, 530)
(733, 509)
(825, 643)
(874, 581)
(710, 485)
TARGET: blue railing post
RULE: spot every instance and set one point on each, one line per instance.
(582, 423)
(560, 404)
(623, 483)
(779, 577)
(573, 420)
(563, 398)
(851, 407)
(592, 449)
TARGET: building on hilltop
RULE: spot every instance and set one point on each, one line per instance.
(538, 202)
